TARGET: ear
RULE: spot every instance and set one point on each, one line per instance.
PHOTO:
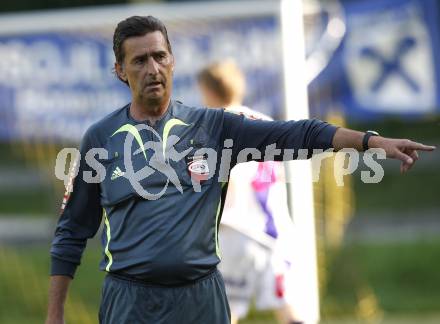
(120, 72)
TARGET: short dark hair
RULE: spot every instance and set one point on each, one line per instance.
(136, 26)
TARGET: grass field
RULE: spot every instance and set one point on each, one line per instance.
(404, 279)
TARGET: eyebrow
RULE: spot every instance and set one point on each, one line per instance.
(145, 55)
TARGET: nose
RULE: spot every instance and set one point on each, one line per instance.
(152, 66)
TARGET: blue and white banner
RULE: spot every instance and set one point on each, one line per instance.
(388, 62)
(53, 85)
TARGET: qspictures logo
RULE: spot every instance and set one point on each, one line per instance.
(160, 154)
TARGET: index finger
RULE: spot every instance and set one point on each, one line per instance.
(420, 146)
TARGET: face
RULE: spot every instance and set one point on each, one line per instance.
(148, 68)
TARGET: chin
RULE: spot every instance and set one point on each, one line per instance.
(148, 96)
(153, 100)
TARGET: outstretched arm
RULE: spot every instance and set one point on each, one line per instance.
(401, 149)
(312, 134)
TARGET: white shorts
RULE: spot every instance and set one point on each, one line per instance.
(251, 270)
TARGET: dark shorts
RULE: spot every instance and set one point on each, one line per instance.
(126, 301)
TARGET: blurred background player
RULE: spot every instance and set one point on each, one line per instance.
(256, 228)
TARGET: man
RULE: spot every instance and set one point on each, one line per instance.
(256, 229)
(161, 254)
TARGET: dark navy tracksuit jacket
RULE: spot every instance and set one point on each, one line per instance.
(171, 240)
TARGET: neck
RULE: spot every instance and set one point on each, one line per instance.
(151, 112)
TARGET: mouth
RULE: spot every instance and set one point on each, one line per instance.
(154, 84)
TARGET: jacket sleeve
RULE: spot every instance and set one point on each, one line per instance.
(79, 220)
(309, 134)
